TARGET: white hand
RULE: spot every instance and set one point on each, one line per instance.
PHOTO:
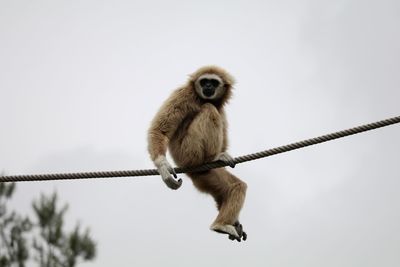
(165, 170)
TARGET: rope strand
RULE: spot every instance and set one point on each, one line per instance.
(207, 166)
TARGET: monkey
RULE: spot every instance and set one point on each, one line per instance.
(192, 125)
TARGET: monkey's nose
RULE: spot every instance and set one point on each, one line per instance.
(208, 92)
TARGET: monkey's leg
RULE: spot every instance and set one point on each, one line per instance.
(229, 193)
(232, 203)
(203, 139)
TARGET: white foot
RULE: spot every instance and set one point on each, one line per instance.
(225, 229)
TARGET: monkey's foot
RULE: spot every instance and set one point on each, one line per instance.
(239, 230)
(226, 158)
(235, 232)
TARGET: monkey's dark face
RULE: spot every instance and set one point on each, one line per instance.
(210, 86)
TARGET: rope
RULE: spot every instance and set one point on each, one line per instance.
(207, 166)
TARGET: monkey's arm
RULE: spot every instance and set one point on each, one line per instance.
(162, 128)
(224, 155)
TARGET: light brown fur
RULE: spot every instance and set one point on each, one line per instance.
(195, 131)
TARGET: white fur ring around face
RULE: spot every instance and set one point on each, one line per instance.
(167, 173)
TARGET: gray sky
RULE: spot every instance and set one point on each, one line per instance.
(81, 80)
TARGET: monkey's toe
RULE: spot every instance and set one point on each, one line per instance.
(244, 237)
(227, 159)
(239, 229)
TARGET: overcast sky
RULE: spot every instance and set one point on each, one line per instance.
(81, 80)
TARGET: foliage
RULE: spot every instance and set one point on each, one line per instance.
(13, 230)
(44, 240)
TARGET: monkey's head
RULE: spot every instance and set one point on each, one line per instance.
(212, 84)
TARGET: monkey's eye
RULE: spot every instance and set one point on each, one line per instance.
(207, 82)
(203, 82)
(214, 82)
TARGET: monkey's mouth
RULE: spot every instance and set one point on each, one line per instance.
(208, 92)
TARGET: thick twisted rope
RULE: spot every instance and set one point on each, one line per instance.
(208, 166)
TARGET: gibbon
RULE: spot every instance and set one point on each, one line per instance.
(193, 125)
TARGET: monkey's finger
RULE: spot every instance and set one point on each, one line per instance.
(178, 182)
(169, 180)
(173, 183)
(172, 171)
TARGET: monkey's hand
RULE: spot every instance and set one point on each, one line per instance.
(166, 171)
(226, 158)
